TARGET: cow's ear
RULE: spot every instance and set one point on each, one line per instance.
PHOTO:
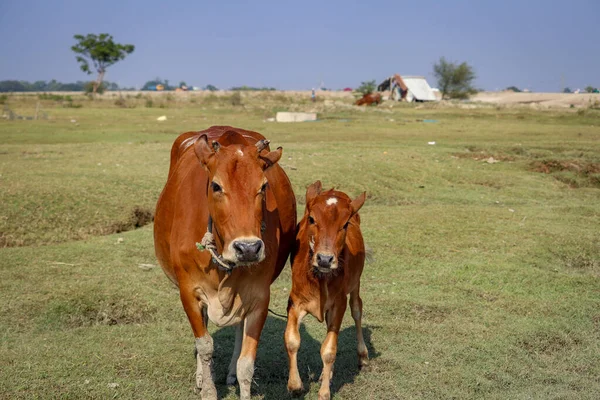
(204, 151)
(358, 202)
(271, 157)
(313, 191)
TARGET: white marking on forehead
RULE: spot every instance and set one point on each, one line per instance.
(239, 152)
(330, 201)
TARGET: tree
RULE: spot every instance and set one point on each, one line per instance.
(211, 88)
(513, 89)
(454, 81)
(101, 51)
(589, 89)
(366, 87)
(567, 90)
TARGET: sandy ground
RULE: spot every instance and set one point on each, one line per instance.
(532, 100)
(542, 100)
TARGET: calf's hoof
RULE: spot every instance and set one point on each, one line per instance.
(324, 395)
(295, 388)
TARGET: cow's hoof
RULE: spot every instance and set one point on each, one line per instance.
(209, 393)
(231, 380)
(364, 364)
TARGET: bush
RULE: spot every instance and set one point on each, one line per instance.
(89, 88)
(366, 87)
(149, 103)
(454, 81)
(236, 99)
(3, 99)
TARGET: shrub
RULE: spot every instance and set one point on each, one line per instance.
(236, 99)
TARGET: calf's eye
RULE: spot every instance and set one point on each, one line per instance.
(311, 220)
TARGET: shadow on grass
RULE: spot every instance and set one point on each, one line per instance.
(271, 373)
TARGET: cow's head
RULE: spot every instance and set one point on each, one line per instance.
(326, 221)
(236, 190)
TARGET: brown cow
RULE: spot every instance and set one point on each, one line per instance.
(369, 99)
(225, 187)
(326, 267)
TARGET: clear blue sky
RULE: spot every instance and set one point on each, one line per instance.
(532, 44)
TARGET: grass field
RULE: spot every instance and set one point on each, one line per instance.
(485, 283)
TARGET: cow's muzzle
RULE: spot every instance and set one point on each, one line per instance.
(249, 250)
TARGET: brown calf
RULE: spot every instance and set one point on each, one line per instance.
(368, 99)
(326, 267)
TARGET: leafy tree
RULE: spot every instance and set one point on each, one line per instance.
(567, 90)
(454, 80)
(102, 51)
(211, 88)
(367, 87)
(589, 89)
(513, 89)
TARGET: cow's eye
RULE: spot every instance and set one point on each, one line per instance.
(216, 187)
(311, 220)
(263, 188)
(346, 225)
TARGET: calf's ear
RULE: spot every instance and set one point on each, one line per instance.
(358, 202)
(204, 151)
(313, 191)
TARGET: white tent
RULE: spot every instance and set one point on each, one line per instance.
(418, 89)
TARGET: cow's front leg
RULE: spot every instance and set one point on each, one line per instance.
(239, 335)
(253, 326)
(329, 347)
(204, 344)
(292, 344)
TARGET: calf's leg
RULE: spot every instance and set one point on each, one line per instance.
(292, 344)
(329, 346)
(356, 307)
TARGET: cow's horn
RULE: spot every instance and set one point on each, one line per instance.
(262, 144)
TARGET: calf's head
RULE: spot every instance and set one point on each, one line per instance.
(237, 187)
(326, 220)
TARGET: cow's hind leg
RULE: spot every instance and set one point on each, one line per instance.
(356, 307)
(204, 344)
(239, 334)
(329, 346)
(253, 326)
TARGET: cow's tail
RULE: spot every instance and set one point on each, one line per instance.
(369, 254)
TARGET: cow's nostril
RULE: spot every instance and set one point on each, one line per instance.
(324, 260)
(247, 251)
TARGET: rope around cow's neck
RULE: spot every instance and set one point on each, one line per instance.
(208, 243)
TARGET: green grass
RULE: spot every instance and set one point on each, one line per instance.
(485, 282)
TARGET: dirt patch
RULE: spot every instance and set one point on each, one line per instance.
(548, 342)
(574, 173)
(89, 311)
(550, 166)
(482, 155)
(138, 218)
(427, 313)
